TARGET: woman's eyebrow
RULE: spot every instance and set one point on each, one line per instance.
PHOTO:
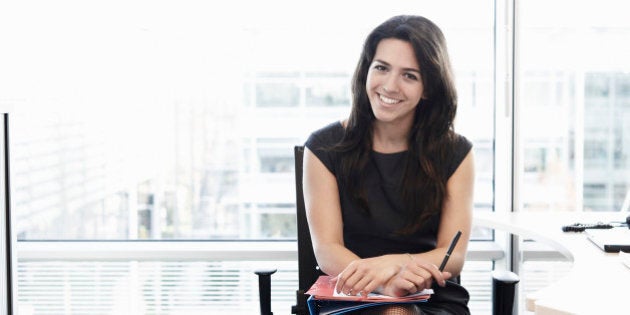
(385, 63)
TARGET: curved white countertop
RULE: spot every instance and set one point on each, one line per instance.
(598, 282)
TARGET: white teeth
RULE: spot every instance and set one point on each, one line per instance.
(388, 100)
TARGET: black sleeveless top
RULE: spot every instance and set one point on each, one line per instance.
(376, 234)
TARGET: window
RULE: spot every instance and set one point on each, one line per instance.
(571, 113)
(187, 132)
(572, 105)
(175, 121)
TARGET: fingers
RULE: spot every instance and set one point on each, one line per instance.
(386, 275)
(370, 287)
(342, 279)
(360, 287)
(357, 283)
(439, 276)
(446, 275)
(422, 274)
(414, 279)
(366, 275)
(352, 280)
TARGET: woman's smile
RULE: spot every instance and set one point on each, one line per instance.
(387, 100)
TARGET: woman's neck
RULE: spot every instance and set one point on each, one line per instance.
(390, 138)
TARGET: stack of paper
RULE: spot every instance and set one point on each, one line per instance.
(325, 301)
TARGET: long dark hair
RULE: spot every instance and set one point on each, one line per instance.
(430, 137)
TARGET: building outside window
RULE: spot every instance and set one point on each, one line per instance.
(573, 106)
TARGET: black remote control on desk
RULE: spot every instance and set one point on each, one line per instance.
(580, 227)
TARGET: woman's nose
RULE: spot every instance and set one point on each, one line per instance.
(390, 84)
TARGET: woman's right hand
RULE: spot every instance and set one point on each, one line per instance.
(363, 276)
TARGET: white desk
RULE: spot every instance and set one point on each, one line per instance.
(598, 282)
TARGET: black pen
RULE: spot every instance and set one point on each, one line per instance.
(450, 250)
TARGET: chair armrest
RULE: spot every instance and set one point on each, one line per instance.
(264, 290)
(503, 291)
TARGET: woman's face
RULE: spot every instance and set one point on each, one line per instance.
(394, 85)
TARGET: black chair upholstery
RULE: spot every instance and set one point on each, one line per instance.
(503, 284)
(308, 270)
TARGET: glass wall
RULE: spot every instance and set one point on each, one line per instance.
(177, 120)
(572, 115)
(573, 101)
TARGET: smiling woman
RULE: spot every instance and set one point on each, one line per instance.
(387, 188)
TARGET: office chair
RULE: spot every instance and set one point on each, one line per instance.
(503, 283)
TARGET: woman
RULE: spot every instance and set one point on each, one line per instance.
(388, 188)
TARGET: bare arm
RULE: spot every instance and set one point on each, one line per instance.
(456, 216)
(323, 210)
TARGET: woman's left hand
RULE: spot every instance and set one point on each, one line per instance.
(414, 277)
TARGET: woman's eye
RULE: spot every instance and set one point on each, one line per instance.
(411, 76)
(380, 67)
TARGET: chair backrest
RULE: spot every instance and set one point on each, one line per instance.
(307, 264)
